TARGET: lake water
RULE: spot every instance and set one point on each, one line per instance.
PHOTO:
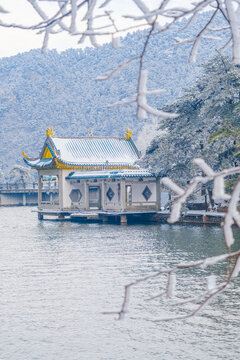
(57, 279)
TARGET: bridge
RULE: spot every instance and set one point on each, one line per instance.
(13, 194)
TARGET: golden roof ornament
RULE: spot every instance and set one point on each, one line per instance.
(90, 133)
(128, 134)
(24, 155)
(49, 131)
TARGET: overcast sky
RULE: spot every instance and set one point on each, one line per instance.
(14, 41)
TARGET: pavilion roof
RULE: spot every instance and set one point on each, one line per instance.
(86, 151)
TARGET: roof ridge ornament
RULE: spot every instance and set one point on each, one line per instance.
(49, 131)
(24, 155)
(128, 134)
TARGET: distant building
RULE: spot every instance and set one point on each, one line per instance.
(97, 174)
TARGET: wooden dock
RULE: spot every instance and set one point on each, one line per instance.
(191, 217)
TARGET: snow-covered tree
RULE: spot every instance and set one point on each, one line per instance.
(20, 174)
(208, 125)
(1, 174)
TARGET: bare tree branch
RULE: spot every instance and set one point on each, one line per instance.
(232, 217)
(77, 17)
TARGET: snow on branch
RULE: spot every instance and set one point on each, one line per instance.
(94, 20)
(117, 70)
(141, 97)
(232, 259)
(122, 102)
(82, 13)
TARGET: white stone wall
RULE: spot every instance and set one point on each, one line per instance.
(66, 188)
(75, 185)
(138, 200)
(115, 203)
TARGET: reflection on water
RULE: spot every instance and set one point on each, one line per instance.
(58, 278)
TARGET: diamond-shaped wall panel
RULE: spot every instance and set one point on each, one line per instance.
(147, 193)
(110, 194)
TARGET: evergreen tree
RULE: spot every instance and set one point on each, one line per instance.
(208, 124)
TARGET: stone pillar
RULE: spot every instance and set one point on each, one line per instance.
(24, 199)
(103, 194)
(204, 219)
(123, 195)
(158, 194)
(86, 197)
(61, 217)
(123, 219)
(51, 197)
(39, 189)
(60, 188)
(40, 216)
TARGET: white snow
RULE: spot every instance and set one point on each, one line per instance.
(214, 260)
(236, 268)
(171, 285)
(218, 189)
(172, 186)
(206, 169)
(211, 282)
(95, 150)
(117, 70)
(116, 42)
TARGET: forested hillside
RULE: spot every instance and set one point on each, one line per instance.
(59, 90)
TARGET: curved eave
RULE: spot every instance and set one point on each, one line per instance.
(105, 174)
(61, 161)
(39, 163)
(107, 177)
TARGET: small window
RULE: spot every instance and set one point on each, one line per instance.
(129, 194)
(75, 195)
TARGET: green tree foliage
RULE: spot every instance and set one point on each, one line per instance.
(208, 125)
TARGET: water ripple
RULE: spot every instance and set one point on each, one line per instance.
(58, 278)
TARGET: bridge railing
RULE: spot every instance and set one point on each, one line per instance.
(28, 186)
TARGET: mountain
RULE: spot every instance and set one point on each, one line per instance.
(38, 91)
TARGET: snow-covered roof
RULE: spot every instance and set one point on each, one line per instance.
(95, 150)
(87, 151)
(111, 174)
